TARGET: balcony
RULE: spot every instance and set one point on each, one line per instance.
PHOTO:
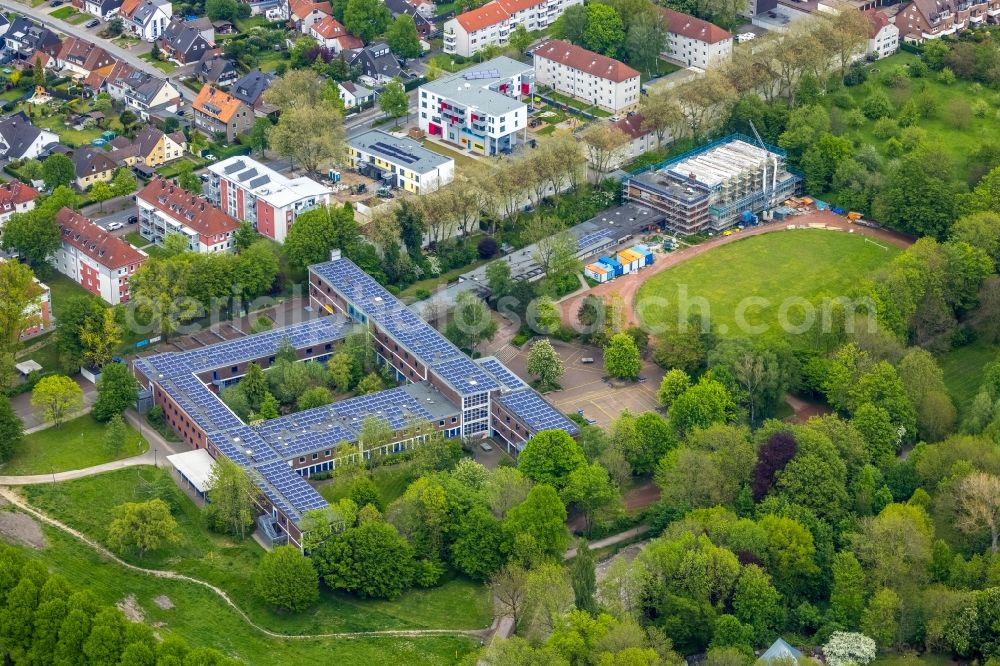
(449, 37)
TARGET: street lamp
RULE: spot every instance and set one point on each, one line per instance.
(154, 457)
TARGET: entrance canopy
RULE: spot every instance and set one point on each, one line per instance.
(196, 466)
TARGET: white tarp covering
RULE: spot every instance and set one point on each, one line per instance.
(196, 466)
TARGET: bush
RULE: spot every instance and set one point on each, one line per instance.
(487, 248)
(885, 128)
(918, 69)
(877, 105)
(946, 77)
(155, 416)
(844, 101)
(422, 293)
(522, 336)
(980, 108)
(855, 119)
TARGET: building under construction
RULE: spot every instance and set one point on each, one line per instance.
(715, 186)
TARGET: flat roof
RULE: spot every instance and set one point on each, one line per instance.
(721, 163)
(405, 153)
(266, 183)
(196, 466)
(472, 86)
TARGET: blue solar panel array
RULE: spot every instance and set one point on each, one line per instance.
(419, 337)
(532, 410)
(292, 487)
(508, 380)
(594, 237)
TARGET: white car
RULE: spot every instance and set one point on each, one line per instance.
(115, 226)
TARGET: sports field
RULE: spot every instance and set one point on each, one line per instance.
(752, 285)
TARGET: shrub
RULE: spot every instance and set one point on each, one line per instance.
(918, 69)
(885, 128)
(845, 648)
(855, 119)
(980, 108)
(959, 114)
(844, 101)
(422, 294)
(946, 77)
(893, 147)
(913, 137)
(877, 105)
(487, 247)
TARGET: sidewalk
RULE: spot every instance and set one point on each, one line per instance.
(638, 530)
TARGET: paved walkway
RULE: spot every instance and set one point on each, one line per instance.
(638, 530)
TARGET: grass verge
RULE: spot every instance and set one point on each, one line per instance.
(75, 444)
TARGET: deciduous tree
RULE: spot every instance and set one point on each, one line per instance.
(545, 363)
(549, 457)
(142, 526)
(287, 579)
(232, 496)
(57, 397)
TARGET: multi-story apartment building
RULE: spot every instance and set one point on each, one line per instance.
(165, 208)
(883, 35)
(248, 190)
(930, 19)
(401, 163)
(98, 261)
(479, 108)
(217, 112)
(490, 25)
(592, 77)
(441, 391)
(694, 42)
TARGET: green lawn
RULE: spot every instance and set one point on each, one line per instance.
(778, 267)
(926, 659)
(86, 504)
(430, 284)
(61, 289)
(447, 62)
(391, 481)
(77, 19)
(63, 12)
(663, 68)
(162, 65)
(136, 239)
(963, 369)
(75, 444)
(461, 159)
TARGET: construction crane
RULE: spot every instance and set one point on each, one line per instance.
(774, 176)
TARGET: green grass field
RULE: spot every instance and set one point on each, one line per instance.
(63, 12)
(87, 504)
(390, 480)
(777, 267)
(963, 371)
(75, 444)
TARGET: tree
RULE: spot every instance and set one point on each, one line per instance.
(18, 309)
(287, 579)
(101, 192)
(142, 526)
(254, 385)
(115, 435)
(519, 39)
(471, 322)
(57, 397)
(498, 278)
(187, 179)
(318, 231)
(583, 578)
(402, 37)
(371, 560)
(35, 235)
(393, 100)
(312, 398)
(117, 389)
(621, 357)
(847, 595)
(881, 618)
(58, 170)
(979, 505)
(124, 183)
(309, 134)
(602, 141)
(38, 72)
(538, 524)
(571, 25)
(756, 603)
(704, 100)
(590, 489)
(11, 429)
(546, 364)
(674, 383)
(232, 496)
(549, 457)
(339, 372)
(222, 10)
(270, 408)
(543, 315)
(479, 542)
(844, 648)
(366, 19)
(661, 115)
(100, 336)
(258, 135)
(702, 405)
(605, 32)
(505, 488)
(508, 587)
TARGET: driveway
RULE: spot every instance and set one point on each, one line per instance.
(41, 15)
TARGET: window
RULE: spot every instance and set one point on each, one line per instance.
(315, 456)
(302, 459)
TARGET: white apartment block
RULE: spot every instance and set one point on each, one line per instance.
(883, 36)
(594, 78)
(491, 24)
(401, 163)
(98, 261)
(248, 190)
(694, 42)
(165, 209)
(479, 109)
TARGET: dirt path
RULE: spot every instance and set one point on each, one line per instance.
(635, 499)
(22, 504)
(627, 286)
(804, 409)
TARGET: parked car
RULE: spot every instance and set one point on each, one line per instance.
(92, 23)
(115, 226)
(55, 3)
(133, 219)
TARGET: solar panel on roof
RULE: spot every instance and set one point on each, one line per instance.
(261, 180)
(238, 165)
(536, 413)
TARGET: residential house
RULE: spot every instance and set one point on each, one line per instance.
(24, 38)
(98, 261)
(182, 43)
(423, 20)
(217, 112)
(4, 25)
(304, 13)
(272, 10)
(92, 165)
(102, 9)
(883, 35)
(250, 88)
(640, 140)
(165, 208)
(141, 91)
(216, 69)
(330, 33)
(248, 190)
(401, 163)
(19, 139)
(376, 62)
(490, 25)
(930, 19)
(15, 197)
(694, 42)
(79, 58)
(204, 26)
(479, 108)
(146, 19)
(598, 80)
(151, 148)
(354, 94)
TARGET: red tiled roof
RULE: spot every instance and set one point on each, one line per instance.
(187, 209)
(216, 104)
(93, 241)
(128, 7)
(632, 126)
(487, 15)
(514, 6)
(583, 60)
(303, 8)
(877, 20)
(328, 28)
(348, 42)
(694, 28)
(14, 194)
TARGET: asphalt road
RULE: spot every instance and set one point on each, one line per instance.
(40, 14)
